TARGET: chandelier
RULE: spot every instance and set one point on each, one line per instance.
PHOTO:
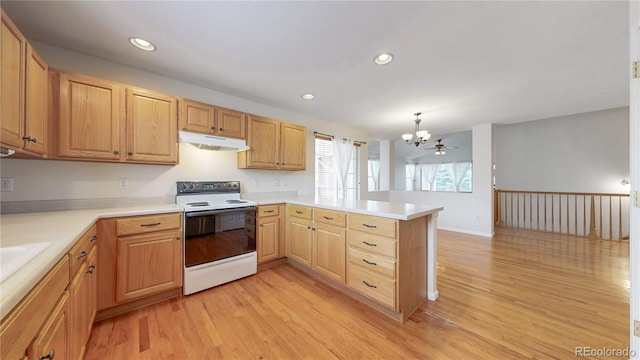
(420, 137)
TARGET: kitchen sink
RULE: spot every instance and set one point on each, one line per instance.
(13, 258)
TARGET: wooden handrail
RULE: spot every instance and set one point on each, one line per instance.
(594, 215)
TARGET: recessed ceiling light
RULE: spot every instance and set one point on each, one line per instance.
(383, 58)
(308, 96)
(142, 44)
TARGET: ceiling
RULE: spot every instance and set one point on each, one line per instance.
(459, 63)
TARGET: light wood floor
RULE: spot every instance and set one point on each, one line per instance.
(510, 297)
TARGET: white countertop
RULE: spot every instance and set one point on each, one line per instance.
(62, 229)
(399, 211)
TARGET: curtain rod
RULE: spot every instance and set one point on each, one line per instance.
(331, 136)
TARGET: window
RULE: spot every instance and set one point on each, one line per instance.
(326, 179)
(373, 177)
(453, 177)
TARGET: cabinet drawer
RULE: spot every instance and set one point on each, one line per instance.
(375, 244)
(299, 211)
(372, 285)
(148, 223)
(81, 249)
(373, 262)
(373, 224)
(331, 217)
(268, 210)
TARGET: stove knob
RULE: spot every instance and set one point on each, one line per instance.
(192, 186)
(184, 187)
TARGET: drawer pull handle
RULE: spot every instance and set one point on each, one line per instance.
(369, 262)
(269, 211)
(328, 218)
(369, 226)
(90, 269)
(82, 254)
(369, 285)
(151, 224)
(299, 212)
(94, 238)
(49, 356)
(369, 244)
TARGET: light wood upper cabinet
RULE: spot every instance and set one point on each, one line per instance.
(13, 83)
(89, 117)
(231, 123)
(293, 146)
(24, 93)
(208, 119)
(152, 127)
(99, 120)
(273, 145)
(197, 116)
(36, 106)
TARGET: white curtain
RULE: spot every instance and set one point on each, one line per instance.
(374, 172)
(429, 172)
(411, 176)
(457, 172)
(342, 153)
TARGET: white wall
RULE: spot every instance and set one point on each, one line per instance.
(464, 212)
(578, 153)
(47, 179)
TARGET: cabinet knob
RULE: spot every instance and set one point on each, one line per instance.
(116, 152)
(29, 138)
(221, 129)
(94, 238)
(129, 153)
(82, 254)
(49, 356)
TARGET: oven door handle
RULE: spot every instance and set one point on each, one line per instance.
(222, 211)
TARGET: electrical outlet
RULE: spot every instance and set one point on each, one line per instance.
(636, 328)
(6, 184)
(123, 183)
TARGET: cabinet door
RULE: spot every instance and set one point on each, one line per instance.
(147, 264)
(89, 119)
(197, 116)
(83, 299)
(53, 337)
(230, 123)
(263, 137)
(268, 238)
(300, 241)
(12, 77)
(293, 146)
(152, 127)
(329, 249)
(36, 109)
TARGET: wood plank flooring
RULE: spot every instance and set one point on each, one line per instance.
(516, 296)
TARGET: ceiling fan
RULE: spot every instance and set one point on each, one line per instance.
(440, 148)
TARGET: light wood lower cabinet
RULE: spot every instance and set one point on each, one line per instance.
(300, 234)
(83, 296)
(52, 342)
(25, 321)
(269, 232)
(140, 257)
(148, 264)
(329, 251)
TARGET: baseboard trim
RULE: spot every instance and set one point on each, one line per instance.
(477, 233)
(137, 304)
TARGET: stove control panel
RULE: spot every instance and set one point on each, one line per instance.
(208, 187)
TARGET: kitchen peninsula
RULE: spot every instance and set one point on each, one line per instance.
(397, 240)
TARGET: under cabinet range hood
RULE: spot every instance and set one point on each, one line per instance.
(212, 142)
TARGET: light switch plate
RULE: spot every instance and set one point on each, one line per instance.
(636, 328)
(6, 184)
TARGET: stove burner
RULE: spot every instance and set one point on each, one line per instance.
(202, 203)
(236, 201)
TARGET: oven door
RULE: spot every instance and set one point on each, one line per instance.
(218, 234)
